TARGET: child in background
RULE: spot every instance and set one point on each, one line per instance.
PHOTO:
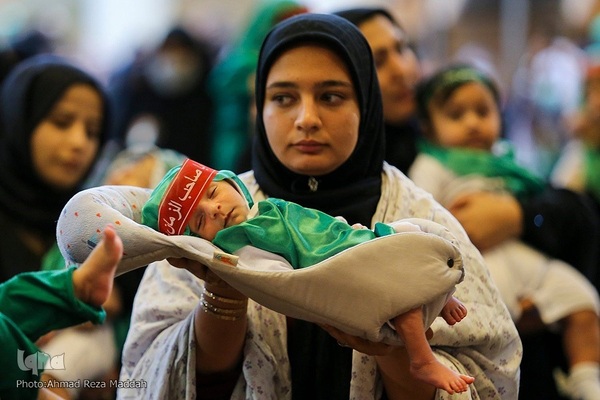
(216, 206)
(34, 303)
(459, 109)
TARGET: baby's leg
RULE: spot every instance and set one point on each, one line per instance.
(93, 280)
(92, 284)
(454, 311)
(423, 364)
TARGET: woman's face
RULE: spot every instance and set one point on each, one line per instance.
(398, 69)
(64, 144)
(311, 111)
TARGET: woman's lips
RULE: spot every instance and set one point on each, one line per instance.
(72, 166)
(308, 146)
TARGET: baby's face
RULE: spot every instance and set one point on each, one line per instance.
(469, 118)
(221, 206)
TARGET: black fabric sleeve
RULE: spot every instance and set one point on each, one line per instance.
(565, 225)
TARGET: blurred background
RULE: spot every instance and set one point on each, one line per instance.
(108, 33)
(536, 49)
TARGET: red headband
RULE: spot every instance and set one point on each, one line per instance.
(182, 196)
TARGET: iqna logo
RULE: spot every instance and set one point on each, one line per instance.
(39, 361)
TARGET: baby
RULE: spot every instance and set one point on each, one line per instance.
(215, 205)
(459, 108)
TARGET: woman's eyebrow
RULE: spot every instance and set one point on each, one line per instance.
(281, 85)
(323, 84)
(334, 83)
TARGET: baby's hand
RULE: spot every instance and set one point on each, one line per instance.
(354, 226)
(406, 227)
(359, 226)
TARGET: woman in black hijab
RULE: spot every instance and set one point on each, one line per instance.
(36, 181)
(353, 189)
(54, 119)
(320, 143)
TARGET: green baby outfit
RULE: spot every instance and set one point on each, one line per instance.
(303, 236)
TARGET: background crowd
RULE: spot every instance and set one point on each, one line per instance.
(192, 94)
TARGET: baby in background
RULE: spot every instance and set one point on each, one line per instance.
(215, 205)
(460, 111)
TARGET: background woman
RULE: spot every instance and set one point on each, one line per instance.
(53, 121)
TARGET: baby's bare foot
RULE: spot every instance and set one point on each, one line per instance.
(93, 280)
(454, 311)
(440, 376)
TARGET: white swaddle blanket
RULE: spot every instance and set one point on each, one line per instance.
(357, 291)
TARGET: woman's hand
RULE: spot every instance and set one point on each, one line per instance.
(201, 271)
(488, 218)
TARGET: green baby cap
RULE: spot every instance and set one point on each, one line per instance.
(172, 202)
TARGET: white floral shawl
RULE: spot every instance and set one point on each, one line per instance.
(160, 349)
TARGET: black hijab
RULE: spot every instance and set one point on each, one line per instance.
(26, 97)
(401, 140)
(354, 188)
(320, 368)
